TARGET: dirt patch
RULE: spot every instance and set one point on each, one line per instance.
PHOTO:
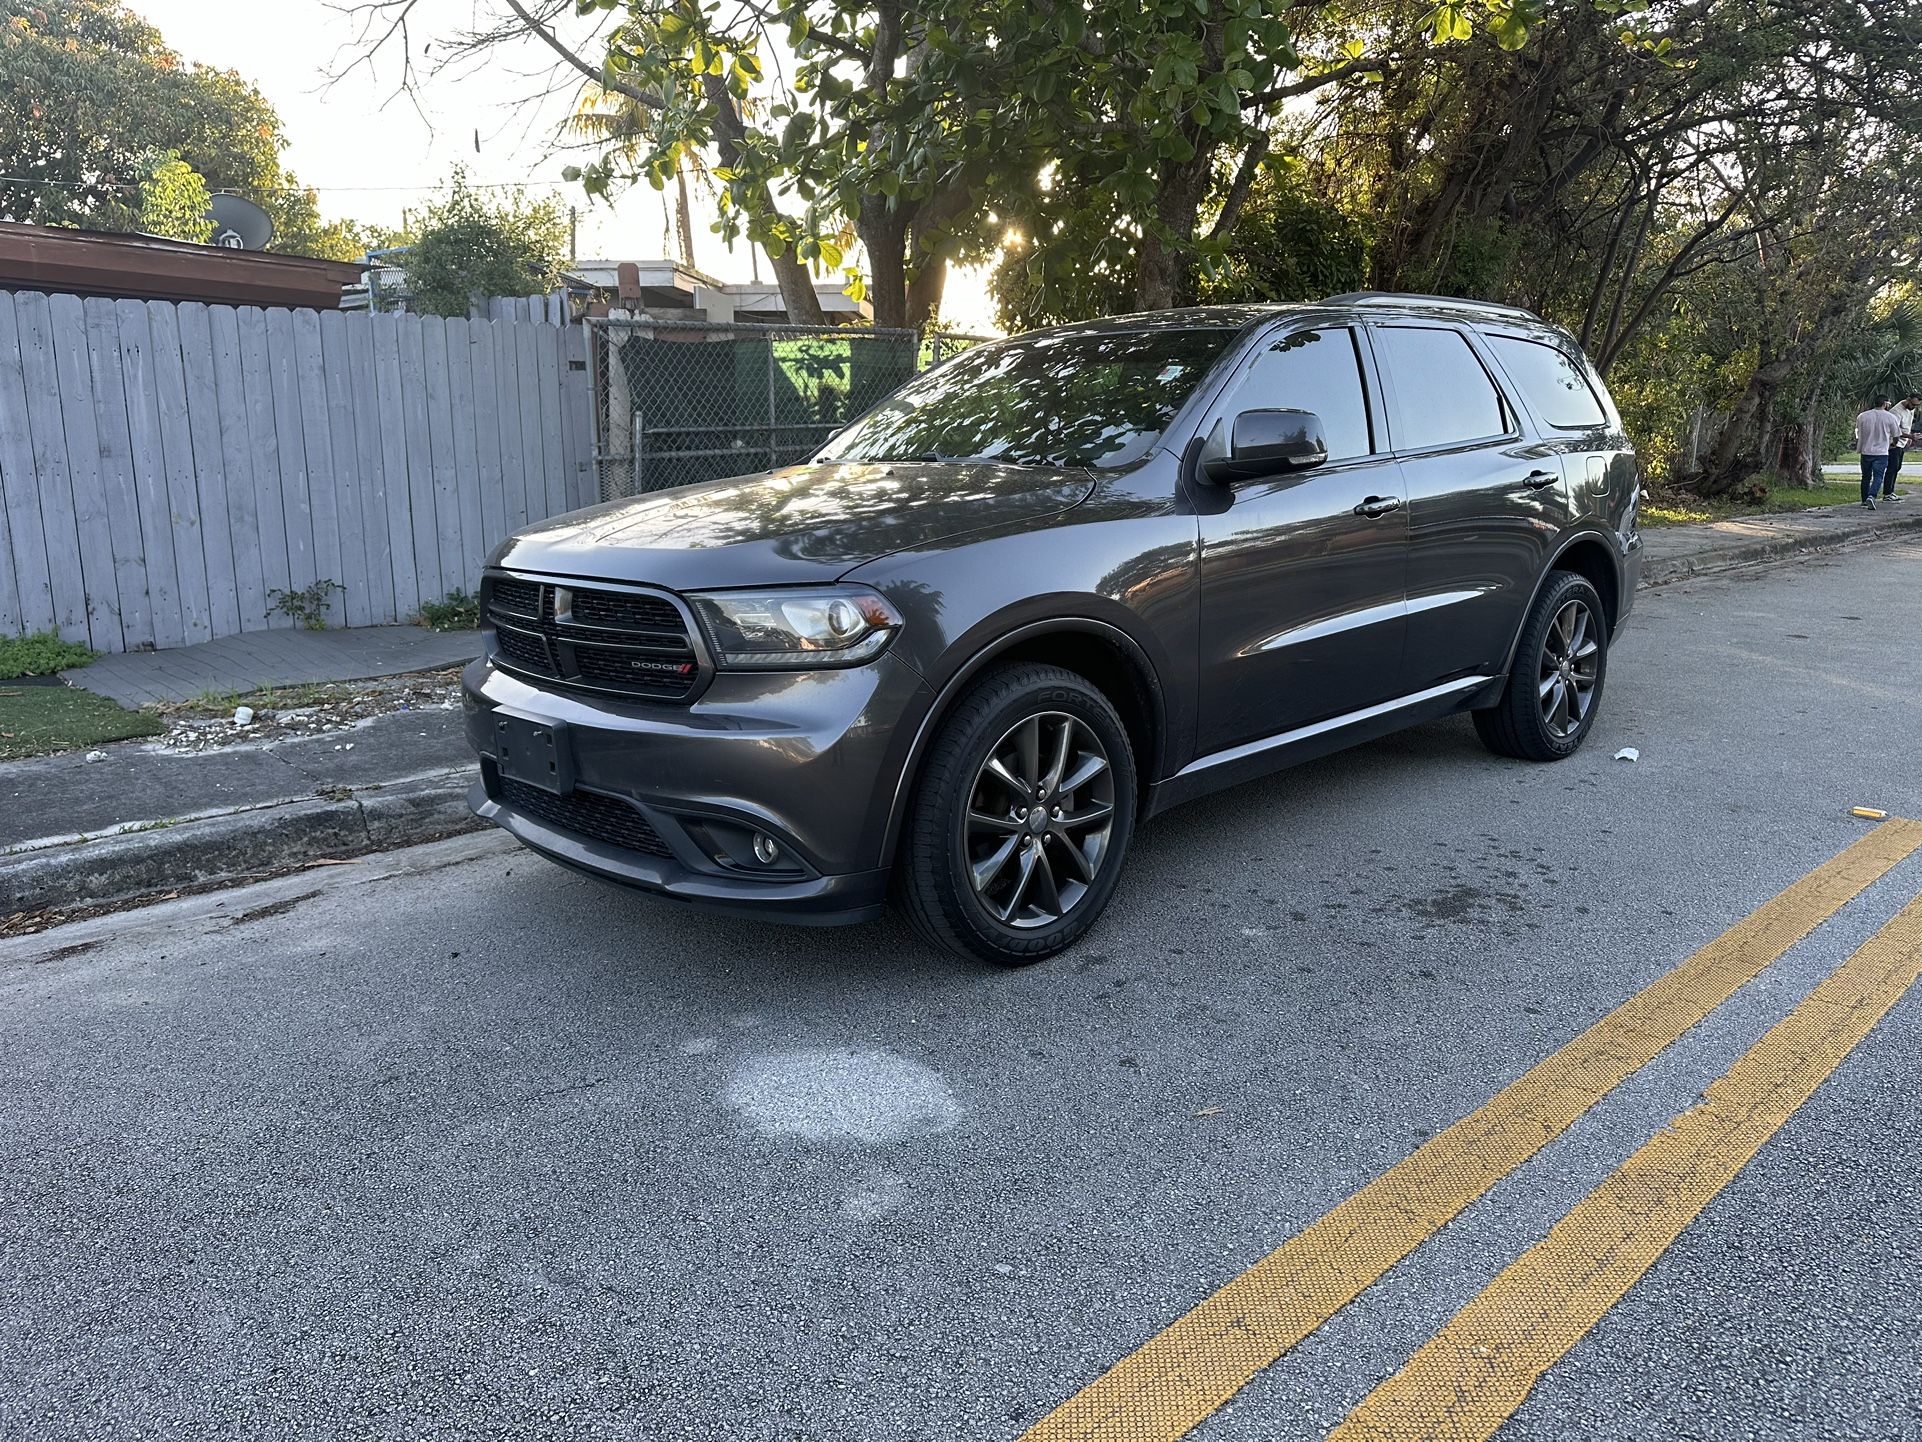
(288, 713)
(272, 908)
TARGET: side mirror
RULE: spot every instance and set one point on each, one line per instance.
(1266, 443)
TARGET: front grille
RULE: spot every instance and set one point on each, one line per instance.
(586, 813)
(620, 641)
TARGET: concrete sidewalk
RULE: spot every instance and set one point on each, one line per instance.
(272, 658)
(1673, 553)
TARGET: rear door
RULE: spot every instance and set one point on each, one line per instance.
(1302, 573)
(1485, 500)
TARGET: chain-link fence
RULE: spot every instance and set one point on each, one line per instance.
(678, 401)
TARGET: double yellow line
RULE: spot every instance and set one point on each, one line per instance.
(1472, 1375)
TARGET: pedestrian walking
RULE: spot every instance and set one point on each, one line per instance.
(1875, 431)
(1904, 411)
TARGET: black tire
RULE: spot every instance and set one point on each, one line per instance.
(1526, 723)
(963, 811)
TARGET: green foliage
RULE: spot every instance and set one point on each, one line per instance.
(467, 244)
(41, 654)
(1289, 244)
(309, 605)
(458, 611)
(89, 93)
(174, 201)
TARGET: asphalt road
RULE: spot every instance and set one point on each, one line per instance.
(454, 1144)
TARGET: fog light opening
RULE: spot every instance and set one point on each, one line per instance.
(766, 851)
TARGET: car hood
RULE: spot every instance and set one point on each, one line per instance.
(798, 524)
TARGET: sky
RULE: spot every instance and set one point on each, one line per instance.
(372, 152)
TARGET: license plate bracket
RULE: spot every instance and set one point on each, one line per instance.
(537, 753)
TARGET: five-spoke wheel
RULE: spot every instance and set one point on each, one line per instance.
(1571, 664)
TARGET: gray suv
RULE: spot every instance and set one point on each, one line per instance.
(1049, 589)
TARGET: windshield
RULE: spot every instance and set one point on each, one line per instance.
(1097, 398)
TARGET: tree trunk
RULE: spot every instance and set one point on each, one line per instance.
(925, 291)
(1739, 452)
(798, 299)
(1161, 268)
(884, 235)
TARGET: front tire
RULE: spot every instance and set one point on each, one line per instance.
(1021, 817)
(1555, 685)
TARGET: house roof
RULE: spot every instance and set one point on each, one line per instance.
(143, 267)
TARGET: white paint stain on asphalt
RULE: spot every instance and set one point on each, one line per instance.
(836, 1094)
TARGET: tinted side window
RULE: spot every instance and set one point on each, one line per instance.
(1315, 370)
(1552, 383)
(1442, 394)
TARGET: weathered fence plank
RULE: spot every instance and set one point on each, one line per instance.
(487, 436)
(177, 458)
(149, 471)
(210, 478)
(508, 414)
(80, 420)
(236, 463)
(263, 451)
(48, 439)
(460, 390)
(343, 449)
(116, 474)
(376, 545)
(322, 475)
(32, 588)
(527, 366)
(394, 469)
(440, 439)
(548, 356)
(290, 447)
(420, 464)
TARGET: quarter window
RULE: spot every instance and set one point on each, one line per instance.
(1554, 385)
(1443, 396)
(1312, 370)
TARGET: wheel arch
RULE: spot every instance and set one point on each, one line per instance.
(1107, 656)
(1588, 555)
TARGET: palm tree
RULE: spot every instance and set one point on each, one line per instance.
(623, 130)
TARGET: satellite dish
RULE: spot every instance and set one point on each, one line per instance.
(239, 224)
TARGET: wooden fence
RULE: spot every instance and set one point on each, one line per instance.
(164, 467)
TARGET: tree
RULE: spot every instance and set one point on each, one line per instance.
(465, 245)
(174, 201)
(89, 92)
(1121, 139)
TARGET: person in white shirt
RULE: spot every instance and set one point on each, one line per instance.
(1904, 412)
(1875, 431)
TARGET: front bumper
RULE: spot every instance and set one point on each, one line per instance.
(668, 798)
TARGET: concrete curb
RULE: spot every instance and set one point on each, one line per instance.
(1665, 570)
(234, 846)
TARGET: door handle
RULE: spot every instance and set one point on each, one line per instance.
(1378, 506)
(1538, 480)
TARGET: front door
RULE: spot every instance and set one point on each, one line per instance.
(1302, 572)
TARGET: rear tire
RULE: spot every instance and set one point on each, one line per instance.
(1021, 817)
(1555, 684)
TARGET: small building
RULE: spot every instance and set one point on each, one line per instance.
(669, 290)
(57, 260)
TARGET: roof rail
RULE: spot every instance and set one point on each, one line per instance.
(1433, 302)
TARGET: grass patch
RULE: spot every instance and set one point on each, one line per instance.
(41, 654)
(40, 720)
(1680, 508)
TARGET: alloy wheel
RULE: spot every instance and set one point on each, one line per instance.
(1570, 666)
(1039, 817)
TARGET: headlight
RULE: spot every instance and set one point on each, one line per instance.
(801, 628)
